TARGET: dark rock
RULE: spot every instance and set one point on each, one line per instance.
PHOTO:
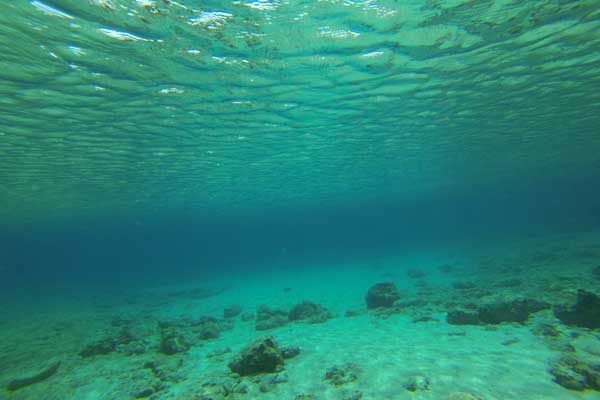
(290, 352)
(287, 289)
(517, 310)
(232, 311)
(416, 273)
(584, 313)
(352, 313)
(172, 341)
(424, 318)
(460, 285)
(458, 317)
(100, 347)
(124, 337)
(267, 318)
(596, 272)
(510, 342)
(309, 312)
(382, 295)
(261, 356)
(341, 375)
(305, 397)
(416, 382)
(19, 383)
(147, 392)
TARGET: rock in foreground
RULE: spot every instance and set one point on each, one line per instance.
(261, 356)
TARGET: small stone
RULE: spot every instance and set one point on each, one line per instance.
(290, 352)
(353, 395)
(209, 330)
(305, 397)
(461, 285)
(416, 382)
(172, 342)
(247, 317)
(416, 273)
(351, 313)
(100, 347)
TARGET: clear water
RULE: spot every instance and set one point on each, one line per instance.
(318, 145)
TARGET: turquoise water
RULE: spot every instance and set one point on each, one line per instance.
(163, 160)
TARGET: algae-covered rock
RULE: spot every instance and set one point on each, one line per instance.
(260, 356)
(416, 383)
(341, 374)
(382, 295)
(584, 313)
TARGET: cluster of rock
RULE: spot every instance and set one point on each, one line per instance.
(306, 311)
(515, 310)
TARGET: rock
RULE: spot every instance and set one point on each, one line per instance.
(247, 317)
(309, 312)
(172, 342)
(460, 285)
(463, 396)
(584, 313)
(517, 310)
(458, 317)
(267, 318)
(416, 382)
(232, 311)
(415, 273)
(568, 374)
(134, 348)
(209, 330)
(353, 395)
(219, 352)
(547, 330)
(19, 383)
(305, 397)
(382, 295)
(352, 313)
(100, 347)
(261, 356)
(596, 272)
(341, 375)
(290, 352)
(424, 318)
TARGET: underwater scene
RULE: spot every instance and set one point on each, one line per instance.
(300, 199)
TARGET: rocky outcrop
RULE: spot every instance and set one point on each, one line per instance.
(584, 313)
(267, 318)
(382, 295)
(309, 312)
(261, 356)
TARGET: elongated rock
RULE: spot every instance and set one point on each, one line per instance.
(19, 383)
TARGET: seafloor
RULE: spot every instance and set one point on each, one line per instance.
(449, 335)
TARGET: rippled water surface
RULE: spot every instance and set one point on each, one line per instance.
(133, 104)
